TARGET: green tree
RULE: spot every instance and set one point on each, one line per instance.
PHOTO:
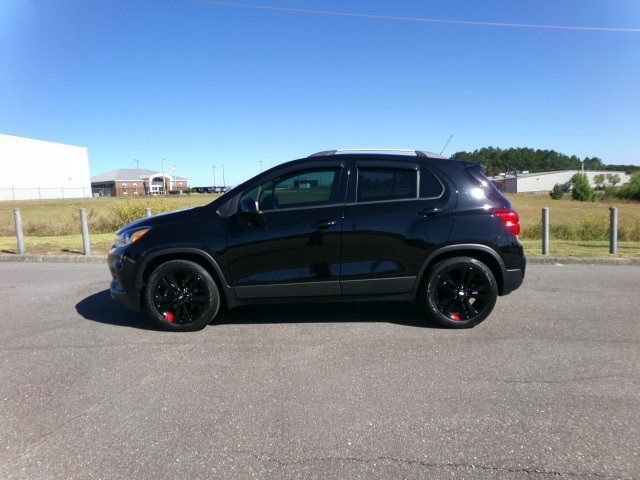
(582, 190)
(593, 164)
(557, 192)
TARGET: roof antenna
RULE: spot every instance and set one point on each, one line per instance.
(445, 145)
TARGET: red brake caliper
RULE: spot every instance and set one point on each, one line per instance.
(455, 316)
(169, 317)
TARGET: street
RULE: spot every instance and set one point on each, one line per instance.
(547, 386)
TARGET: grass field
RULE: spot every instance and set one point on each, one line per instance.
(570, 212)
(53, 226)
(61, 217)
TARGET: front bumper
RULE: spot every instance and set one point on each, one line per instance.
(123, 289)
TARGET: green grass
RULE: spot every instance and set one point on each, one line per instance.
(583, 249)
(60, 244)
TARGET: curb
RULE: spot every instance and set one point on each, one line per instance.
(102, 259)
(33, 258)
(582, 261)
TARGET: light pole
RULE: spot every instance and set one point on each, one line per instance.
(224, 184)
(260, 166)
(137, 164)
(214, 176)
(164, 190)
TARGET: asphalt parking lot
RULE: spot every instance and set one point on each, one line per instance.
(548, 386)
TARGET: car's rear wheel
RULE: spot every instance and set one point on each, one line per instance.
(458, 292)
(181, 296)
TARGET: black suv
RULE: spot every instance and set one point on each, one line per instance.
(348, 225)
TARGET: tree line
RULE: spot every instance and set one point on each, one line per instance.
(509, 160)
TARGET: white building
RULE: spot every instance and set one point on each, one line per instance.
(543, 182)
(36, 169)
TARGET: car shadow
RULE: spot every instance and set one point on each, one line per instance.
(100, 307)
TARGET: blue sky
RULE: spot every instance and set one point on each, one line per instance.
(201, 84)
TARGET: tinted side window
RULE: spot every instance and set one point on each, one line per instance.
(430, 186)
(300, 189)
(375, 184)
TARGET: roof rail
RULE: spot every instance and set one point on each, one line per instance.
(394, 151)
(323, 153)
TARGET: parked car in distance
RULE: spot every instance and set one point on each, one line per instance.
(340, 225)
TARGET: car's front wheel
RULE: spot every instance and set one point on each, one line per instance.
(181, 296)
(458, 292)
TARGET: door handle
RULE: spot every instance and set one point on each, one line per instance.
(324, 224)
(427, 212)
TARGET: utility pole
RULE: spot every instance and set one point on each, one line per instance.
(137, 164)
(214, 176)
(224, 183)
(164, 190)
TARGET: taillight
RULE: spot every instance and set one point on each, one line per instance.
(510, 219)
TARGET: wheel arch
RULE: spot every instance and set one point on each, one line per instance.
(195, 255)
(485, 254)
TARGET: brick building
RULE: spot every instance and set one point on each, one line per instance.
(132, 182)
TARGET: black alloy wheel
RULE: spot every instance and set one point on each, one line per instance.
(182, 296)
(460, 292)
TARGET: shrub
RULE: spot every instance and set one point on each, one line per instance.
(599, 180)
(630, 191)
(582, 190)
(557, 192)
(614, 180)
(132, 210)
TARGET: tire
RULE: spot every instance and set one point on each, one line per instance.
(181, 296)
(458, 292)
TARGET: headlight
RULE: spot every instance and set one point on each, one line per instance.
(129, 237)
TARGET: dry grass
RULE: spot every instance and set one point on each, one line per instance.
(568, 211)
(53, 226)
(61, 217)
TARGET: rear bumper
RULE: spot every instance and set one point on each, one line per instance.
(513, 278)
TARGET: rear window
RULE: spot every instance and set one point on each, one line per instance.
(481, 180)
(377, 184)
(430, 186)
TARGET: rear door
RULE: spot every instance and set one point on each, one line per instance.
(395, 212)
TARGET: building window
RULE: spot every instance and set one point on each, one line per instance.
(124, 189)
(135, 188)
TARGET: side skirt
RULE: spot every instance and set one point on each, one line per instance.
(402, 297)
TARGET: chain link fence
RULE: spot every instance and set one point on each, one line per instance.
(43, 193)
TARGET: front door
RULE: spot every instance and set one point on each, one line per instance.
(294, 250)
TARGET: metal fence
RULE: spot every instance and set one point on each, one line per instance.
(43, 193)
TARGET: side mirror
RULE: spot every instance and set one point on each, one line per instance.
(249, 209)
(249, 206)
